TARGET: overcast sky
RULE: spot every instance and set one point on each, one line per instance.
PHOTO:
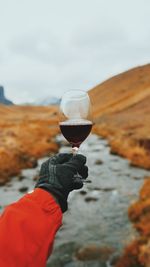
(50, 46)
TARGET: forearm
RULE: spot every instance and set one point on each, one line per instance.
(27, 230)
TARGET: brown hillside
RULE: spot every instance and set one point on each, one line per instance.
(121, 91)
(122, 114)
(26, 133)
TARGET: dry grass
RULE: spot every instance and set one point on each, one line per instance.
(26, 133)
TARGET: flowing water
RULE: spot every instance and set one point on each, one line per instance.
(96, 226)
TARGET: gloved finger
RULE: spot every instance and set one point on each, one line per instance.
(44, 170)
(84, 172)
(60, 158)
(77, 162)
(77, 183)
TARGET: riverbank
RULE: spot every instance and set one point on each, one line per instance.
(137, 253)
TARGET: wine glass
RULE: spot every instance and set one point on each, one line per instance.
(75, 117)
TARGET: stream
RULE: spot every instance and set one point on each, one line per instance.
(96, 227)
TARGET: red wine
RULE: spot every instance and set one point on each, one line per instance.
(75, 131)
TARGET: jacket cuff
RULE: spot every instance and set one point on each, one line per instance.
(44, 199)
(61, 199)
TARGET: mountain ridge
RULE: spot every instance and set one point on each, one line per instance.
(3, 99)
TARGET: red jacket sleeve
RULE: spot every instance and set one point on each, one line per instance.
(27, 230)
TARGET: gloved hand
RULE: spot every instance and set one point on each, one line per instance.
(57, 176)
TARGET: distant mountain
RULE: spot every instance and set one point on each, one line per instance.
(3, 99)
(48, 101)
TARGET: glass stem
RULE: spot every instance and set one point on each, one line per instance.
(75, 150)
(74, 153)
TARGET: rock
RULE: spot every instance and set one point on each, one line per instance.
(113, 152)
(105, 189)
(89, 199)
(137, 178)
(82, 192)
(98, 162)
(9, 185)
(21, 177)
(3, 181)
(23, 189)
(97, 188)
(3, 99)
(94, 252)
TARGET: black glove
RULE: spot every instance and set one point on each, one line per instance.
(57, 176)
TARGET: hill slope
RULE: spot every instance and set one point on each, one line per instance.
(122, 113)
(26, 133)
(121, 91)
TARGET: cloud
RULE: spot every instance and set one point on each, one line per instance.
(54, 46)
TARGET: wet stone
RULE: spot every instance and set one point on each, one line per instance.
(137, 178)
(94, 252)
(96, 149)
(115, 159)
(105, 189)
(23, 189)
(98, 162)
(21, 177)
(112, 152)
(89, 199)
(9, 185)
(83, 192)
(3, 181)
(96, 188)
